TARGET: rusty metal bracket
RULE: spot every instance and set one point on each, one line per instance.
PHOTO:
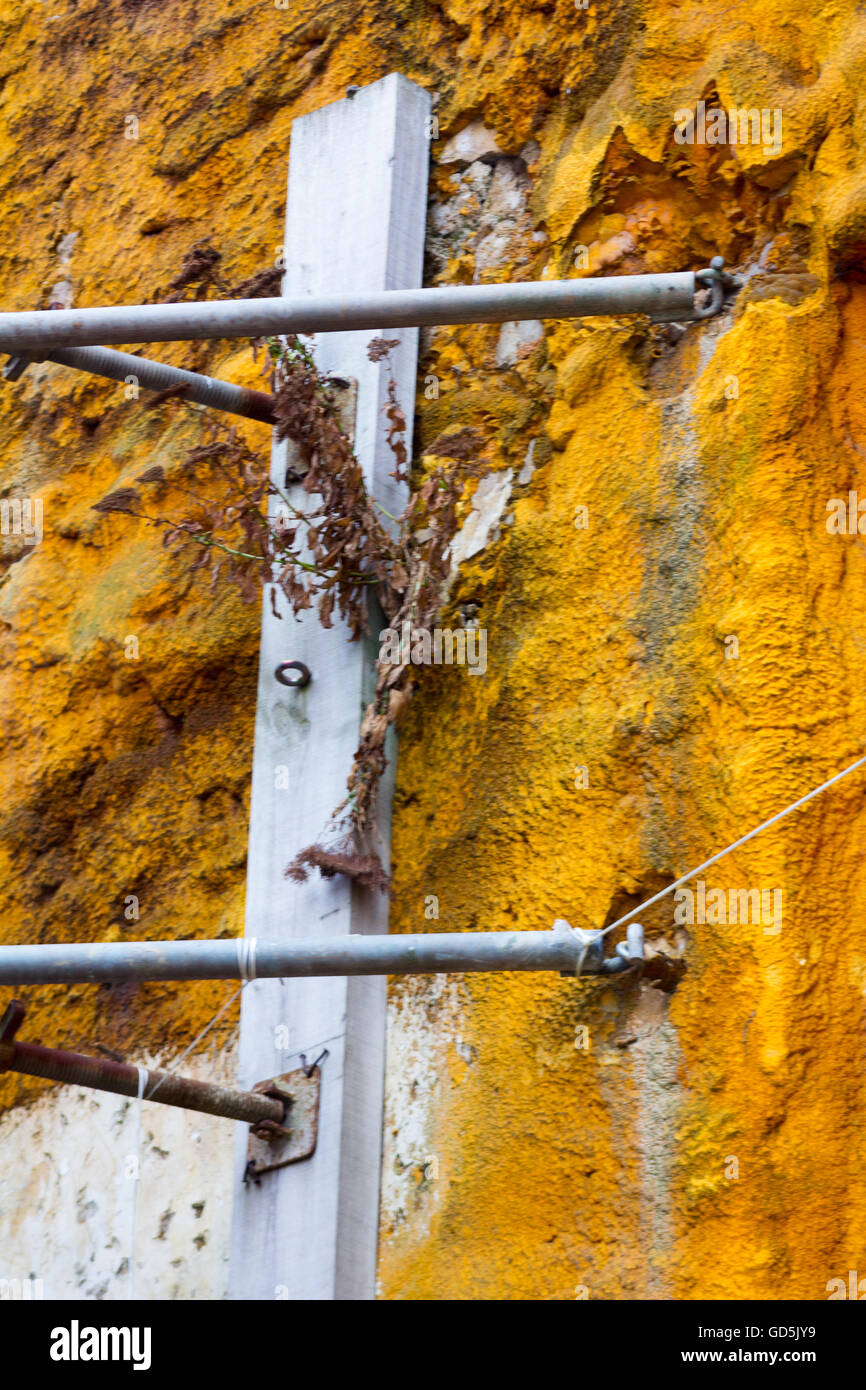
(274, 1146)
(267, 1112)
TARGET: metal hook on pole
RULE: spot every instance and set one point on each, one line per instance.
(717, 281)
(592, 960)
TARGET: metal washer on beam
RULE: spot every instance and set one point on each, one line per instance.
(304, 677)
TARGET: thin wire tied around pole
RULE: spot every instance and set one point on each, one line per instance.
(142, 1082)
(221, 1010)
(247, 958)
(780, 815)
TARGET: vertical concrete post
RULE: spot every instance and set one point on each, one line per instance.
(355, 221)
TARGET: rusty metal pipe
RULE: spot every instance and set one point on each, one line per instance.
(163, 1087)
(157, 376)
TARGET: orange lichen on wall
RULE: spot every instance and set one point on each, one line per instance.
(674, 648)
(673, 655)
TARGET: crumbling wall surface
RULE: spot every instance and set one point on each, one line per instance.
(673, 633)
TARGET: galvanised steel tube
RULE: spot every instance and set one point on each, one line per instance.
(432, 954)
(159, 376)
(662, 296)
(122, 1080)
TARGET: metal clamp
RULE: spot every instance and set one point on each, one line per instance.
(717, 281)
(592, 960)
(304, 677)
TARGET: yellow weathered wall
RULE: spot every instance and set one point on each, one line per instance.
(552, 1168)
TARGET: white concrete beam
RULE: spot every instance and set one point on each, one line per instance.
(355, 221)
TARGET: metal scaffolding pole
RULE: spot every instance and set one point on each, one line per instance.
(159, 376)
(669, 296)
(103, 1075)
(564, 949)
(120, 1079)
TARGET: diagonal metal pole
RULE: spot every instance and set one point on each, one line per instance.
(159, 376)
(153, 376)
(299, 957)
(100, 1074)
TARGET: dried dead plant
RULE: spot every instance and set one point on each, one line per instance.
(328, 549)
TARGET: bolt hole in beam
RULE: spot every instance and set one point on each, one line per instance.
(304, 674)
